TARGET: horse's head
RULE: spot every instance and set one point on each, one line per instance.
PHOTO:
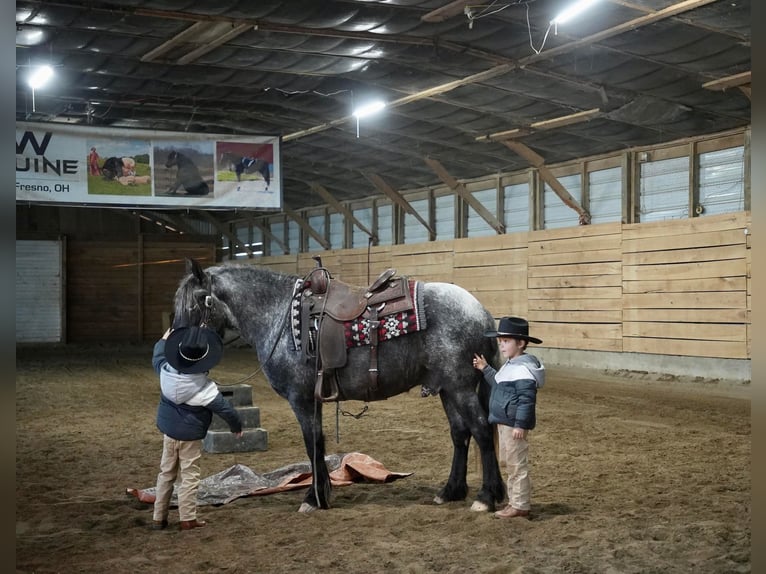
(172, 159)
(196, 302)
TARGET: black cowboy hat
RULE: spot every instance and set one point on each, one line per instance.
(193, 349)
(514, 327)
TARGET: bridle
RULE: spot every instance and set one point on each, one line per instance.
(206, 309)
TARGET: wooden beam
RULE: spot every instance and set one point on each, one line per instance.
(177, 221)
(445, 12)
(210, 46)
(306, 227)
(267, 233)
(537, 161)
(190, 32)
(502, 69)
(552, 123)
(467, 196)
(561, 121)
(504, 135)
(735, 80)
(340, 208)
(397, 198)
(226, 232)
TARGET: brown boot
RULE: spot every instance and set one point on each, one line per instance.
(159, 524)
(191, 524)
(511, 512)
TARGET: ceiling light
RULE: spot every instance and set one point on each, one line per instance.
(572, 11)
(40, 76)
(369, 109)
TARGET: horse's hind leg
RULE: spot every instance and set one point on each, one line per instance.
(265, 173)
(456, 487)
(467, 419)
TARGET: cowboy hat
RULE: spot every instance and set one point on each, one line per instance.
(193, 349)
(514, 327)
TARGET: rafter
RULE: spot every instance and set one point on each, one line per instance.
(306, 227)
(501, 69)
(539, 162)
(467, 196)
(225, 231)
(398, 199)
(340, 208)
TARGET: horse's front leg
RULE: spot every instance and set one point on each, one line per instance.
(309, 416)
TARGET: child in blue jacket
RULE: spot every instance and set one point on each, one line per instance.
(512, 406)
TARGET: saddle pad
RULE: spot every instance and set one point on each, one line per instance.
(357, 331)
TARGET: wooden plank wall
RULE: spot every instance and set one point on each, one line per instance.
(494, 268)
(574, 287)
(685, 287)
(119, 290)
(675, 287)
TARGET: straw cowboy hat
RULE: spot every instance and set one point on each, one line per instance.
(514, 327)
(193, 349)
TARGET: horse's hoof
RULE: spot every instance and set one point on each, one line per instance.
(438, 500)
(479, 506)
(306, 508)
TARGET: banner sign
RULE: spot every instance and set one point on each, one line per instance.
(140, 168)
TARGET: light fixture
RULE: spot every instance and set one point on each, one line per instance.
(574, 10)
(366, 110)
(369, 109)
(40, 76)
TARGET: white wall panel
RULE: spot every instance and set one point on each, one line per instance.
(39, 292)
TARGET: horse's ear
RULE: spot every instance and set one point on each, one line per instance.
(193, 267)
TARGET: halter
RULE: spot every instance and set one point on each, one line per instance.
(205, 310)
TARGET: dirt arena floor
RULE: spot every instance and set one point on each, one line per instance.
(630, 475)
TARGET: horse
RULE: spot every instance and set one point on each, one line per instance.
(187, 175)
(241, 164)
(116, 167)
(259, 303)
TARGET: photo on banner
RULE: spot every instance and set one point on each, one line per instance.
(87, 165)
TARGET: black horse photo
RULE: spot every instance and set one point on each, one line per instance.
(187, 175)
(246, 165)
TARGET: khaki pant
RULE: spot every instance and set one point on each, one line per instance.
(178, 456)
(515, 454)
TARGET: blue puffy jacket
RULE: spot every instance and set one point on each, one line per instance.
(187, 422)
(514, 391)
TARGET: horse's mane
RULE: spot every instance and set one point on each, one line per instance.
(257, 271)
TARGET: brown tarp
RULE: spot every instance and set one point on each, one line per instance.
(239, 480)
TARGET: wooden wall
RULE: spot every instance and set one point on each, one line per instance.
(119, 290)
(674, 287)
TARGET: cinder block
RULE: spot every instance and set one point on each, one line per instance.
(251, 418)
(225, 441)
(238, 395)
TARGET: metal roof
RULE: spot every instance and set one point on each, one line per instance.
(460, 79)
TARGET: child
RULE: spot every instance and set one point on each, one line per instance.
(187, 403)
(512, 406)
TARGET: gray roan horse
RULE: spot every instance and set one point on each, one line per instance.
(256, 301)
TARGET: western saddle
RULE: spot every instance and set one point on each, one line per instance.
(327, 303)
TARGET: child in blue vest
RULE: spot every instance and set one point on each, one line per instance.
(512, 406)
(188, 399)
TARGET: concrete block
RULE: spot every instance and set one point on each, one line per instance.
(225, 441)
(251, 418)
(237, 395)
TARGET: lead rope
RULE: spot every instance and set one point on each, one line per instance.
(271, 352)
